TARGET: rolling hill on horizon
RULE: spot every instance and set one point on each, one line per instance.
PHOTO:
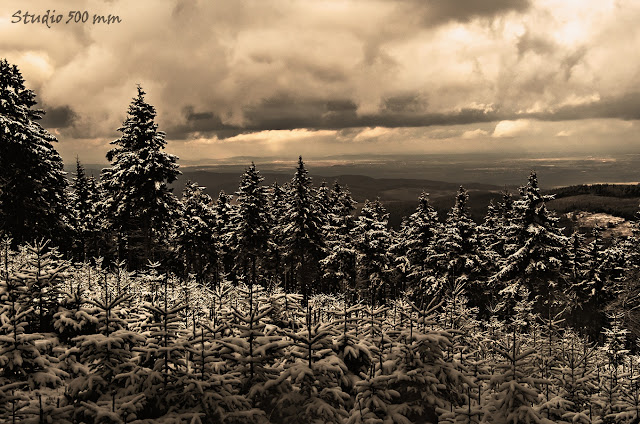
(400, 195)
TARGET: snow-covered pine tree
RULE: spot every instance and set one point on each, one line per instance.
(515, 388)
(507, 224)
(251, 226)
(615, 270)
(351, 347)
(26, 364)
(584, 261)
(630, 244)
(548, 362)
(254, 350)
(72, 320)
(286, 310)
(339, 266)
(32, 180)
(303, 226)
(373, 260)
(42, 274)
(490, 237)
(418, 238)
(428, 355)
(611, 374)
(274, 266)
(224, 214)
(621, 290)
(629, 402)
(594, 269)
(538, 253)
(315, 372)
(195, 235)
(324, 200)
(576, 258)
(211, 389)
(576, 380)
(161, 362)
(459, 259)
(139, 203)
(107, 390)
(85, 221)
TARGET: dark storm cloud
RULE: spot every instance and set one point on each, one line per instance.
(435, 12)
(625, 107)
(341, 106)
(412, 103)
(197, 116)
(537, 44)
(206, 123)
(58, 117)
(286, 113)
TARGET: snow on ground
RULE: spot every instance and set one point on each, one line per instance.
(610, 224)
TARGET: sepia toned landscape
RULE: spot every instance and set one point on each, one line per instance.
(319, 212)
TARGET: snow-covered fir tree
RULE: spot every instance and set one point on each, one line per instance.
(84, 201)
(107, 389)
(586, 282)
(32, 180)
(303, 226)
(27, 364)
(491, 242)
(418, 237)
(139, 202)
(315, 372)
(161, 367)
(538, 253)
(253, 350)
(373, 260)
(274, 266)
(42, 273)
(251, 226)
(339, 266)
(198, 246)
(224, 217)
(459, 258)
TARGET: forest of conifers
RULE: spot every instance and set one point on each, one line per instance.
(121, 303)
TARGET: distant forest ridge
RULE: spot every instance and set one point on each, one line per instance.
(400, 195)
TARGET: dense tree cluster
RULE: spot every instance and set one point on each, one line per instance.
(283, 304)
(91, 343)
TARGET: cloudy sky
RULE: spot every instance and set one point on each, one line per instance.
(286, 77)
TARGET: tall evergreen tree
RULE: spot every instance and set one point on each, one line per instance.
(224, 216)
(489, 235)
(339, 266)
(275, 265)
(195, 233)
(139, 202)
(460, 259)
(251, 225)
(536, 257)
(585, 283)
(305, 243)
(419, 235)
(85, 219)
(32, 180)
(373, 259)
